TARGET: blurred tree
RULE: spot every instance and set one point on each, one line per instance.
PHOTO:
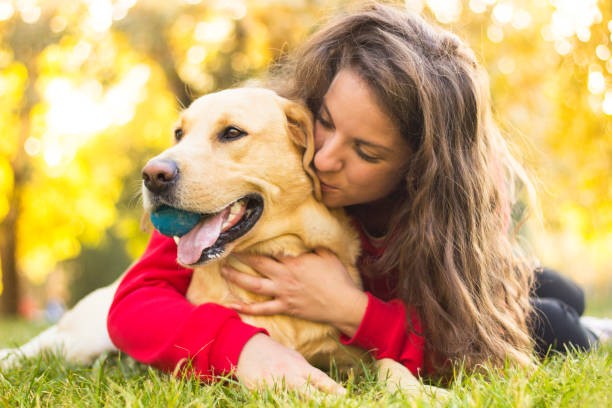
(106, 73)
(85, 93)
(550, 69)
(90, 88)
(20, 72)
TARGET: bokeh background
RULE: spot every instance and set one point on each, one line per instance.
(89, 90)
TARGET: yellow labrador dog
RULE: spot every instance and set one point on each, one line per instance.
(242, 160)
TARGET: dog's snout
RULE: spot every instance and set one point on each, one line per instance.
(159, 174)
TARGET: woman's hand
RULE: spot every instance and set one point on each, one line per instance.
(314, 286)
(263, 361)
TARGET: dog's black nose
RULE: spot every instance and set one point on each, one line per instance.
(159, 174)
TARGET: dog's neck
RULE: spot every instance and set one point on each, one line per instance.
(312, 225)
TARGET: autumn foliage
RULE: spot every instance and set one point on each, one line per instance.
(89, 90)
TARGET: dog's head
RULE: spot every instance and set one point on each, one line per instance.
(241, 156)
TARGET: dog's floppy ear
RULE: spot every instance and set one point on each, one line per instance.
(300, 126)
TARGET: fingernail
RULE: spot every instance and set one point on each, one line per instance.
(234, 306)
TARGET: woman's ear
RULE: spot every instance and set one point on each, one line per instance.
(300, 128)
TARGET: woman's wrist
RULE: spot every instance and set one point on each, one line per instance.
(355, 305)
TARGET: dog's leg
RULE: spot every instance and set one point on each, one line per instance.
(80, 335)
(399, 378)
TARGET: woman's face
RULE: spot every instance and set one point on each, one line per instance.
(359, 150)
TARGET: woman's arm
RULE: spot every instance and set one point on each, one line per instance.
(317, 287)
(389, 332)
(151, 320)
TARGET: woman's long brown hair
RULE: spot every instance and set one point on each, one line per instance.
(456, 260)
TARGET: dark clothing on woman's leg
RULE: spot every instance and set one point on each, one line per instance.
(551, 284)
(555, 323)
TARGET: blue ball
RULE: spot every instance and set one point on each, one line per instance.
(172, 222)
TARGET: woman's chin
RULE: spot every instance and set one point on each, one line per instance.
(334, 200)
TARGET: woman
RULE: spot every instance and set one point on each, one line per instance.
(406, 143)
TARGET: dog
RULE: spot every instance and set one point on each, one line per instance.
(242, 159)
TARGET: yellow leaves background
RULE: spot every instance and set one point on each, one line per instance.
(89, 90)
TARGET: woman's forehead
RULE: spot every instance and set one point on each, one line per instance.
(354, 109)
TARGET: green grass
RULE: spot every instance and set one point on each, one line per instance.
(581, 380)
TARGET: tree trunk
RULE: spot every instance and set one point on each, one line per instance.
(10, 296)
(9, 300)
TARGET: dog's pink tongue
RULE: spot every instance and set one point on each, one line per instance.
(202, 236)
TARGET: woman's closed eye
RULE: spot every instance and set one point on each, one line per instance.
(366, 156)
(324, 122)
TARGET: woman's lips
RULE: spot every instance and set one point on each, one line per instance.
(327, 187)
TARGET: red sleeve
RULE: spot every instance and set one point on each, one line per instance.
(151, 320)
(386, 332)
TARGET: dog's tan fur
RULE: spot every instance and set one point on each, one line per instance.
(268, 161)
(274, 161)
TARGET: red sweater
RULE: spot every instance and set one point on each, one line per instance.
(151, 320)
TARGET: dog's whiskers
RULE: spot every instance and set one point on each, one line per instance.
(136, 197)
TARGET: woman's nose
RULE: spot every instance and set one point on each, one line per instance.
(328, 158)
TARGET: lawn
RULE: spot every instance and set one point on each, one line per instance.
(581, 380)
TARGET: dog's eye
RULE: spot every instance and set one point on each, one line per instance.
(231, 133)
(178, 134)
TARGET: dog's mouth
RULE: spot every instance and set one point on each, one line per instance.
(208, 239)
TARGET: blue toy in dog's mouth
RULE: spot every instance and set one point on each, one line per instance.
(174, 222)
(203, 237)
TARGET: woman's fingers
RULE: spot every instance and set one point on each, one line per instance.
(265, 265)
(270, 307)
(323, 382)
(319, 381)
(265, 362)
(254, 284)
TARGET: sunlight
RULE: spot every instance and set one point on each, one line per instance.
(120, 9)
(478, 6)
(446, 11)
(495, 33)
(71, 111)
(597, 83)
(503, 12)
(521, 19)
(32, 146)
(100, 14)
(235, 9)
(606, 106)
(76, 114)
(213, 31)
(6, 10)
(573, 17)
(196, 54)
(30, 15)
(602, 52)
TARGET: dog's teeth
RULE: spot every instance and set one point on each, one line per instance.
(176, 239)
(236, 208)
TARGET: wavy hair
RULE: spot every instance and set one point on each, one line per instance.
(457, 262)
